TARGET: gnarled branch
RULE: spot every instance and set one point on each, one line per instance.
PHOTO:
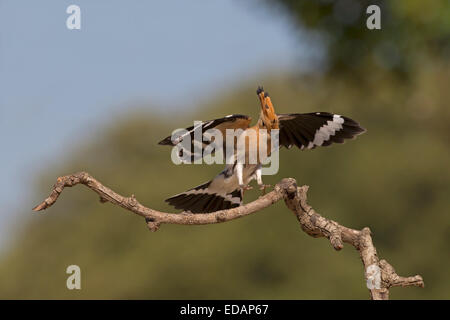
(380, 276)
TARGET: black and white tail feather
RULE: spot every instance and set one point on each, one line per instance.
(207, 197)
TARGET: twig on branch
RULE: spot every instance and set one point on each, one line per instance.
(380, 276)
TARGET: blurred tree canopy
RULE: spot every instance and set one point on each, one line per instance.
(409, 30)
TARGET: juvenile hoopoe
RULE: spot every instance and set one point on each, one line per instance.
(304, 130)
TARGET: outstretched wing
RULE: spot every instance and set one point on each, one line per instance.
(233, 121)
(309, 130)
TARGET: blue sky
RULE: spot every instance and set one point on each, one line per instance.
(55, 82)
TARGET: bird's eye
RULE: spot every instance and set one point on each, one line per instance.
(267, 107)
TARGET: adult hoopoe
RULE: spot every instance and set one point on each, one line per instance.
(304, 130)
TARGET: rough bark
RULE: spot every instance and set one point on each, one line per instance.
(380, 276)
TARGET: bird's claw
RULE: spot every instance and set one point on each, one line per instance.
(245, 188)
(263, 188)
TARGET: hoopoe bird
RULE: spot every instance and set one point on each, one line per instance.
(303, 130)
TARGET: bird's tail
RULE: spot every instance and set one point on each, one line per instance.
(204, 199)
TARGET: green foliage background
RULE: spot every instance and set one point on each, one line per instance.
(394, 179)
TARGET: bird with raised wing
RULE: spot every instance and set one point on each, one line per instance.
(225, 191)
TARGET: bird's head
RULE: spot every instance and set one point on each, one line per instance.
(268, 117)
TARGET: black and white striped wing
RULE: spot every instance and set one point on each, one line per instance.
(309, 130)
(196, 148)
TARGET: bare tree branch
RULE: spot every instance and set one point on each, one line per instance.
(380, 276)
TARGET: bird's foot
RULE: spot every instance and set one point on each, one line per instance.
(263, 188)
(244, 188)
